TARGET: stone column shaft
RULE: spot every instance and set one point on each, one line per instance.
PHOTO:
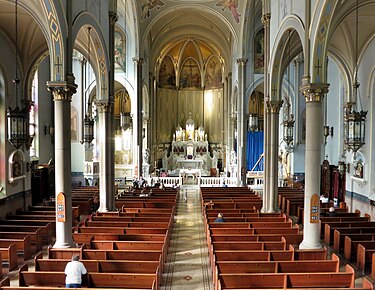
(314, 94)
(266, 178)
(106, 179)
(62, 93)
(241, 122)
(139, 63)
(273, 128)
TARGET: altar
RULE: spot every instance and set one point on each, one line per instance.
(189, 150)
(189, 164)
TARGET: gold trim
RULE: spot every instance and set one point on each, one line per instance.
(266, 18)
(62, 91)
(274, 107)
(314, 92)
(104, 107)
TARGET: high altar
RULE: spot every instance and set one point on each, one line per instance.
(189, 150)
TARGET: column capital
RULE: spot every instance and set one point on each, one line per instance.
(113, 17)
(314, 92)
(138, 61)
(274, 106)
(241, 61)
(103, 107)
(266, 18)
(62, 91)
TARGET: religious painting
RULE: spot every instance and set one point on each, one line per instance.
(358, 166)
(167, 74)
(16, 166)
(190, 75)
(213, 76)
(74, 124)
(120, 52)
(232, 6)
(259, 52)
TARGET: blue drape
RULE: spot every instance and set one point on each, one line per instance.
(254, 150)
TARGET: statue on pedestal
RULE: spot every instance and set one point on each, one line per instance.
(146, 155)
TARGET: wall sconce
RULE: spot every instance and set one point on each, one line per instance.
(327, 131)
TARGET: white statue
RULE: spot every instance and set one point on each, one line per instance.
(146, 155)
(233, 157)
(214, 159)
(165, 160)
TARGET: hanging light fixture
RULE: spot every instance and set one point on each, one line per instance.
(88, 121)
(288, 124)
(355, 122)
(17, 118)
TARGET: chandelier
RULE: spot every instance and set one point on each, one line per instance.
(17, 118)
(355, 121)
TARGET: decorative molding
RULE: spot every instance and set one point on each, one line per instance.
(62, 91)
(274, 107)
(104, 107)
(113, 17)
(241, 61)
(266, 18)
(314, 92)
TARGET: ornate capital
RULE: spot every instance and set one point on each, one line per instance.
(266, 18)
(241, 61)
(113, 17)
(274, 107)
(138, 61)
(314, 92)
(62, 91)
(103, 107)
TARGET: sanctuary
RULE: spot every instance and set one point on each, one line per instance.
(190, 150)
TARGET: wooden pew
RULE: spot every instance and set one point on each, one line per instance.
(23, 245)
(94, 280)
(241, 245)
(351, 244)
(330, 227)
(127, 245)
(340, 234)
(9, 254)
(99, 266)
(287, 280)
(365, 252)
(278, 267)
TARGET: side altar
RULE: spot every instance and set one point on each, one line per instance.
(189, 150)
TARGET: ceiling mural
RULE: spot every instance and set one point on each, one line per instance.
(148, 6)
(232, 6)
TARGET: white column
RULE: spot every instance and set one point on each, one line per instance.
(314, 94)
(273, 128)
(106, 179)
(62, 93)
(266, 183)
(241, 123)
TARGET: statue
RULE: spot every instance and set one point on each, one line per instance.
(165, 160)
(214, 159)
(233, 157)
(146, 155)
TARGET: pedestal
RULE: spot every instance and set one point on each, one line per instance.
(146, 170)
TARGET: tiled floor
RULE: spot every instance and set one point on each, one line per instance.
(187, 262)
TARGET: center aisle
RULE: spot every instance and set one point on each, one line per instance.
(187, 265)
